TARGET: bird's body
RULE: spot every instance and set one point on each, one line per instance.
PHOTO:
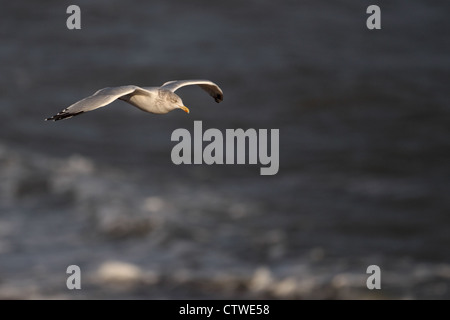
(153, 102)
(158, 100)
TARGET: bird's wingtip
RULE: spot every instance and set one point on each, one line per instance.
(63, 115)
(218, 98)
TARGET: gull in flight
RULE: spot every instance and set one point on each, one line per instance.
(159, 100)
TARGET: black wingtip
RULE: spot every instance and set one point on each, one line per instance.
(50, 118)
(63, 115)
(218, 97)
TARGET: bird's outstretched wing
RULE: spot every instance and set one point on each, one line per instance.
(209, 86)
(99, 99)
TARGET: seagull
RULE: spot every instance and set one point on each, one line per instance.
(159, 100)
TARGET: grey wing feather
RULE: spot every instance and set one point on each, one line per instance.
(99, 99)
(209, 86)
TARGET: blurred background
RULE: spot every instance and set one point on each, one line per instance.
(364, 151)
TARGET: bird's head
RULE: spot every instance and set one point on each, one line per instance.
(177, 103)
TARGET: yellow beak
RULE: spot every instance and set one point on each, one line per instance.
(185, 109)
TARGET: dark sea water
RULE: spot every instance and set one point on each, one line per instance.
(364, 178)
